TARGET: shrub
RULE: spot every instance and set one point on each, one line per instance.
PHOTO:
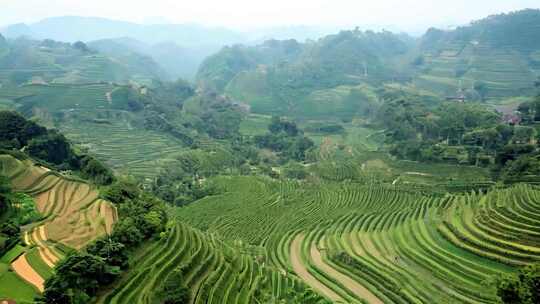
(173, 290)
(53, 148)
(520, 288)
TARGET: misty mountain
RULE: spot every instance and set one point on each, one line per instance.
(495, 57)
(177, 48)
(332, 60)
(518, 29)
(298, 32)
(293, 78)
(24, 61)
(73, 28)
(175, 60)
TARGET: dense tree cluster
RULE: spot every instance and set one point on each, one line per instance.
(427, 131)
(219, 69)
(177, 109)
(126, 98)
(286, 138)
(5, 191)
(9, 228)
(16, 131)
(52, 148)
(214, 115)
(529, 111)
(325, 128)
(173, 290)
(9, 235)
(81, 46)
(520, 288)
(48, 146)
(185, 180)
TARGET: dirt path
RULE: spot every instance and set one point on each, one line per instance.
(346, 281)
(25, 271)
(303, 273)
(417, 173)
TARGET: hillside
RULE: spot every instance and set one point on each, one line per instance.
(375, 243)
(118, 233)
(213, 271)
(496, 57)
(50, 205)
(111, 101)
(72, 215)
(177, 48)
(306, 80)
(176, 60)
(48, 61)
(493, 58)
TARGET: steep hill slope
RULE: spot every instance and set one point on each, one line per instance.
(110, 102)
(377, 243)
(72, 216)
(48, 61)
(287, 77)
(176, 60)
(494, 57)
(212, 270)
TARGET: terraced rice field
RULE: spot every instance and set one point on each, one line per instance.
(58, 97)
(73, 216)
(505, 71)
(213, 271)
(90, 119)
(374, 243)
(126, 148)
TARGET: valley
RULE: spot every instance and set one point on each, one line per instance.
(361, 167)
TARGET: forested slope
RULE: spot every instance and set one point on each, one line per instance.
(493, 58)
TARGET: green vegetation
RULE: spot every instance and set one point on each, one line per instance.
(13, 287)
(28, 61)
(520, 288)
(379, 236)
(305, 80)
(493, 57)
(362, 167)
(24, 209)
(9, 228)
(285, 137)
(338, 75)
(49, 147)
(79, 276)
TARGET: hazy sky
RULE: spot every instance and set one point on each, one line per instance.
(244, 14)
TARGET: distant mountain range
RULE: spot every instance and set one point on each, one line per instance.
(72, 28)
(178, 48)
